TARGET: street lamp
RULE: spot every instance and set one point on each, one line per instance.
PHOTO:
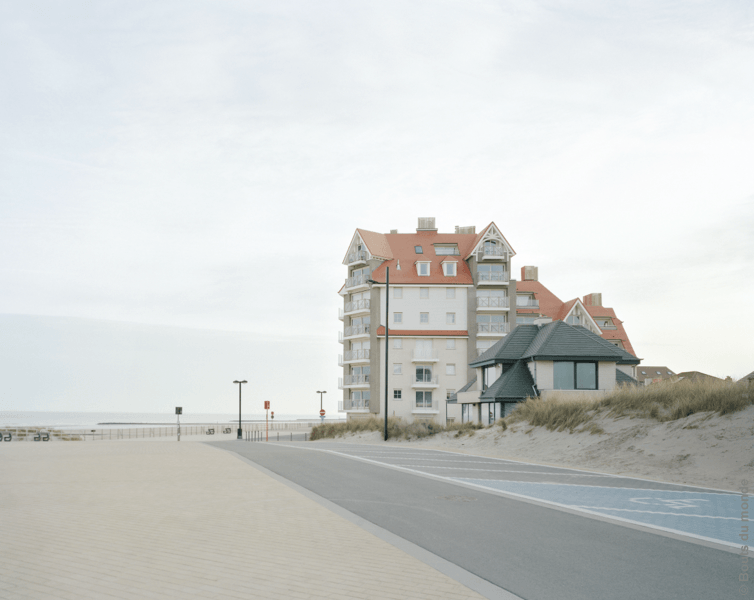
(240, 431)
(371, 282)
(321, 410)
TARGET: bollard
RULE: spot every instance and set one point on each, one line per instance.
(278, 436)
(291, 436)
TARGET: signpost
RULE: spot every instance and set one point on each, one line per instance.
(179, 412)
(267, 421)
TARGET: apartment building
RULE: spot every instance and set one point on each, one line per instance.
(451, 299)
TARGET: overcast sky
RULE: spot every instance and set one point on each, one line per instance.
(179, 181)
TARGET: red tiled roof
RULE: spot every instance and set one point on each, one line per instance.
(422, 332)
(402, 248)
(619, 333)
(376, 243)
(549, 303)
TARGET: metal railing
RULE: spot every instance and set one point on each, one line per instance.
(608, 326)
(357, 354)
(493, 327)
(492, 252)
(357, 256)
(352, 330)
(493, 302)
(527, 303)
(492, 277)
(426, 379)
(356, 380)
(353, 404)
(340, 314)
(425, 404)
(425, 355)
(356, 280)
(357, 305)
(340, 337)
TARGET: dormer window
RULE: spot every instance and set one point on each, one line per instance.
(418, 250)
(449, 269)
(446, 250)
(422, 269)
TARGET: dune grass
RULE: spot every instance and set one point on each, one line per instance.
(661, 402)
(396, 428)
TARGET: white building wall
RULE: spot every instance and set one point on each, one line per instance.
(437, 305)
(606, 376)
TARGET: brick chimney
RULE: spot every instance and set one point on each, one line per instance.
(593, 299)
(529, 274)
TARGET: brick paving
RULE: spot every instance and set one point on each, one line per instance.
(141, 520)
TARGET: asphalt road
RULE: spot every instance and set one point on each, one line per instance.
(536, 552)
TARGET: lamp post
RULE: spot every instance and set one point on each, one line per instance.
(240, 431)
(371, 282)
(321, 410)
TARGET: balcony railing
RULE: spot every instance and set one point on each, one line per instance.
(357, 280)
(492, 277)
(356, 380)
(340, 314)
(340, 360)
(351, 404)
(358, 256)
(352, 330)
(357, 305)
(493, 302)
(425, 356)
(425, 380)
(352, 355)
(492, 252)
(527, 303)
(608, 326)
(340, 337)
(493, 328)
(425, 405)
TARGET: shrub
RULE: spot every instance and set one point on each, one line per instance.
(397, 428)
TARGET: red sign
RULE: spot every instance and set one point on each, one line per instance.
(322, 413)
(267, 405)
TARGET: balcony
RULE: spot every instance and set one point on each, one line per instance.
(492, 253)
(340, 337)
(493, 303)
(605, 326)
(527, 303)
(340, 360)
(425, 406)
(357, 257)
(357, 306)
(358, 280)
(350, 404)
(357, 331)
(357, 356)
(355, 381)
(492, 328)
(425, 356)
(492, 278)
(425, 381)
(340, 314)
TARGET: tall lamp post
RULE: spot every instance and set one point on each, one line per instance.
(321, 409)
(240, 431)
(387, 334)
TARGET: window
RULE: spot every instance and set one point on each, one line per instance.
(360, 374)
(418, 250)
(450, 369)
(483, 346)
(450, 344)
(450, 318)
(574, 320)
(449, 269)
(397, 317)
(524, 301)
(491, 273)
(525, 320)
(397, 369)
(359, 399)
(398, 293)
(423, 292)
(423, 399)
(423, 317)
(450, 293)
(449, 394)
(450, 250)
(397, 394)
(424, 374)
(423, 269)
(575, 375)
(397, 343)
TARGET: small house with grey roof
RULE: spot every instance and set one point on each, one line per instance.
(539, 360)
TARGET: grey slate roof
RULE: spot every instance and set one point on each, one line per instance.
(515, 384)
(466, 388)
(621, 377)
(560, 341)
(509, 349)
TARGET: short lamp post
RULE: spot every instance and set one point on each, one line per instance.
(240, 431)
(321, 409)
(371, 282)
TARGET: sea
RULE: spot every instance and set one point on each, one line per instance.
(117, 420)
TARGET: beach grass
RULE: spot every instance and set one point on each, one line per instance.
(397, 428)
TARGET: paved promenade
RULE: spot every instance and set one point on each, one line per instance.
(145, 520)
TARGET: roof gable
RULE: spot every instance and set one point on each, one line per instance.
(491, 232)
(510, 348)
(515, 384)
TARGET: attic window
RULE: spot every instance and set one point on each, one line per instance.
(422, 269)
(658, 373)
(418, 250)
(446, 250)
(449, 269)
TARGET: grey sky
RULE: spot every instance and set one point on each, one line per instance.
(203, 165)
